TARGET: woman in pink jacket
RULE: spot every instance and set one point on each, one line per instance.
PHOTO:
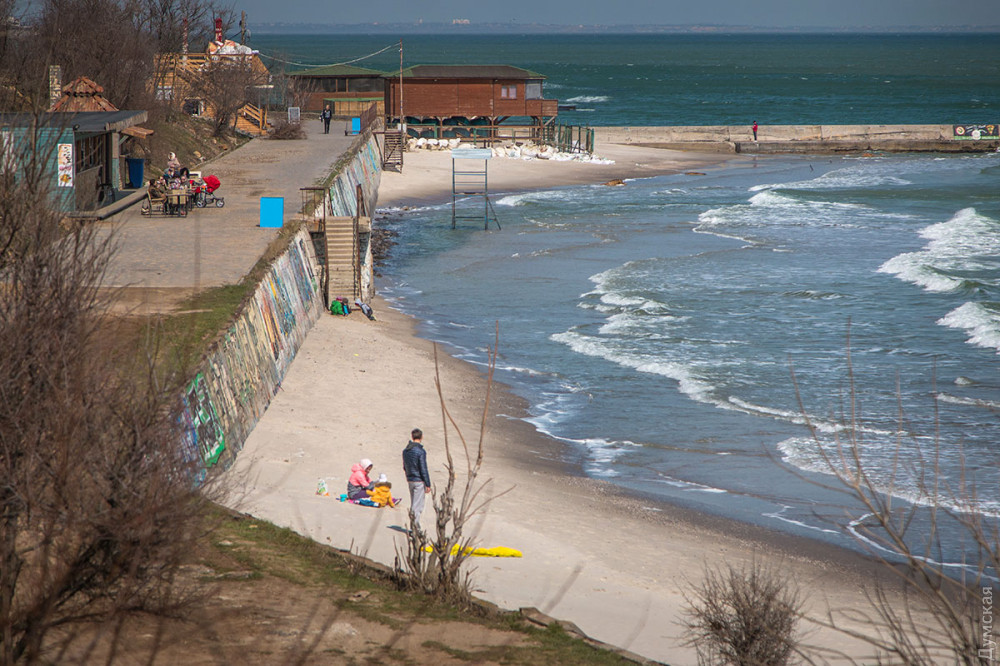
(359, 481)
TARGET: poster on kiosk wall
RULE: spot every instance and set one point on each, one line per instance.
(65, 164)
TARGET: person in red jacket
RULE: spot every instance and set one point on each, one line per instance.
(755, 130)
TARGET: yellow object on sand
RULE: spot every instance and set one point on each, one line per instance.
(496, 551)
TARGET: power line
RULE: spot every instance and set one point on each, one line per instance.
(333, 64)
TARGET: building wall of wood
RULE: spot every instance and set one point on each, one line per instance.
(443, 98)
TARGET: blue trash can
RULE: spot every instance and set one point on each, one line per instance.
(136, 166)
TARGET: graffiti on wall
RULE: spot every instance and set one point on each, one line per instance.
(365, 170)
(241, 374)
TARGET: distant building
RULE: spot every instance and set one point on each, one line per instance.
(82, 94)
(349, 90)
(467, 100)
(80, 152)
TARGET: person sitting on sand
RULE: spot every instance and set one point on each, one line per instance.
(382, 494)
(359, 484)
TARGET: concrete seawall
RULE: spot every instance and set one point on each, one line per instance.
(244, 368)
(797, 138)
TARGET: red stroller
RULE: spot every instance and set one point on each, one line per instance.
(204, 194)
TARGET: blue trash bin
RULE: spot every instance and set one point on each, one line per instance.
(136, 166)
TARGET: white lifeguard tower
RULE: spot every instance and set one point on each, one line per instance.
(470, 182)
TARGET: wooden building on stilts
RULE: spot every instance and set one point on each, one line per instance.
(484, 104)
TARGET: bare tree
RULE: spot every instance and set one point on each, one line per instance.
(226, 84)
(434, 563)
(97, 499)
(924, 611)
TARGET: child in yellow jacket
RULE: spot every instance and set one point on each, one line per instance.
(382, 493)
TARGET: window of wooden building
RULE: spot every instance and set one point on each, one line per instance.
(508, 92)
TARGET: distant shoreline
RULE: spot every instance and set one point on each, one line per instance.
(404, 29)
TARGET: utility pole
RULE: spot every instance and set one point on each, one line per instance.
(243, 28)
(402, 119)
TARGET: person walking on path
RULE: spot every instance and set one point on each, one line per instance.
(755, 130)
(417, 477)
(326, 115)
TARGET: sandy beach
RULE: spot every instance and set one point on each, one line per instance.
(614, 564)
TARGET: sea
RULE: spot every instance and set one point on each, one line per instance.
(734, 339)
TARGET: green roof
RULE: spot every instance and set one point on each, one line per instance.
(337, 70)
(466, 72)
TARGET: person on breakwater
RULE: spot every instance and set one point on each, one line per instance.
(755, 130)
(326, 115)
(415, 469)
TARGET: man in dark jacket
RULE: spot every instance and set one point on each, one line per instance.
(415, 469)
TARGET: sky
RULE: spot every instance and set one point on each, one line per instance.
(828, 14)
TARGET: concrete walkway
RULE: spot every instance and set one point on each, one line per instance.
(162, 259)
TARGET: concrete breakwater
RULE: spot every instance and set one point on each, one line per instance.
(801, 138)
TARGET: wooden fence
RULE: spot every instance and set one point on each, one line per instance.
(570, 138)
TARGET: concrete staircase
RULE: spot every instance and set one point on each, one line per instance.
(392, 151)
(342, 265)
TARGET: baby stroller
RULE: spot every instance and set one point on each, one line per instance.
(204, 193)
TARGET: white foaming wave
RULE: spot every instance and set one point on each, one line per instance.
(688, 384)
(771, 199)
(981, 323)
(974, 402)
(587, 99)
(534, 197)
(913, 267)
(769, 208)
(828, 457)
(620, 300)
(968, 241)
(690, 485)
(863, 176)
(602, 452)
(853, 528)
(798, 523)
(785, 415)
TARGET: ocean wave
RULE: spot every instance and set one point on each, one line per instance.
(689, 485)
(969, 241)
(536, 197)
(973, 402)
(688, 383)
(865, 175)
(980, 320)
(812, 294)
(587, 99)
(834, 456)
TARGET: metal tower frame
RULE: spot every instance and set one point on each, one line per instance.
(472, 182)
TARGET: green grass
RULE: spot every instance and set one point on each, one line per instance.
(268, 550)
